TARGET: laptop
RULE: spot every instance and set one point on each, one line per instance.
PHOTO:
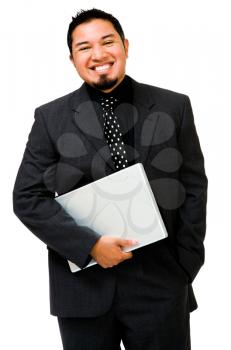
(121, 204)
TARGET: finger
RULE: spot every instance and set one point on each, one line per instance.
(127, 242)
(128, 255)
(110, 266)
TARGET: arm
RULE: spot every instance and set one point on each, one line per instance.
(192, 214)
(35, 206)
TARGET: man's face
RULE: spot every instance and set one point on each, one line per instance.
(98, 54)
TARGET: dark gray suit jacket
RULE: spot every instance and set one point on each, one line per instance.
(66, 149)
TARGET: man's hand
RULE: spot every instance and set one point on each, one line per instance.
(108, 252)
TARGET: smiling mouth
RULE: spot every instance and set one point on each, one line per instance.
(102, 68)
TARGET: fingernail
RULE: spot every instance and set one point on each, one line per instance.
(135, 241)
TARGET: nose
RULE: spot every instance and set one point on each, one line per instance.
(98, 53)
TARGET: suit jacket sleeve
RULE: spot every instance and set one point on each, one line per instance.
(35, 206)
(192, 214)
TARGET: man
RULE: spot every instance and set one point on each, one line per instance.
(142, 298)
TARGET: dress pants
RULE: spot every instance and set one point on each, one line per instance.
(149, 312)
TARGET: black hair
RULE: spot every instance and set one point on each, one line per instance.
(86, 16)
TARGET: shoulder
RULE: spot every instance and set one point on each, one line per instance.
(59, 104)
(163, 100)
(57, 114)
(161, 95)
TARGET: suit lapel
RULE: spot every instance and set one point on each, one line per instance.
(86, 120)
(145, 104)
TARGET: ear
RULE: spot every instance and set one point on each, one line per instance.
(71, 59)
(126, 46)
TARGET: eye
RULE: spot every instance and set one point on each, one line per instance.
(108, 42)
(84, 48)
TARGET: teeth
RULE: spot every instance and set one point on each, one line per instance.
(104, 67)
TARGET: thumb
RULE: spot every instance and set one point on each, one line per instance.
(127, 242)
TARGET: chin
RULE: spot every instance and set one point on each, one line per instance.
(105, 83)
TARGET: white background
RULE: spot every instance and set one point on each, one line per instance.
(179, 45)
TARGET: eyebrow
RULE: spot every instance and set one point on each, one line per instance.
(108, 36)
(87, 42)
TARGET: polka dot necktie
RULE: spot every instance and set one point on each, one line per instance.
(112, 133)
